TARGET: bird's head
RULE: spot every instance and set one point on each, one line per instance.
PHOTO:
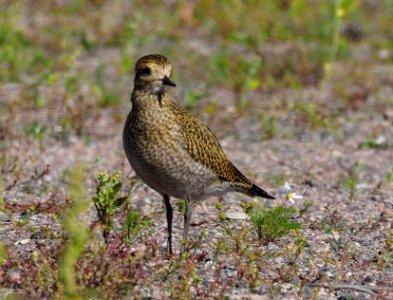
(152, 73)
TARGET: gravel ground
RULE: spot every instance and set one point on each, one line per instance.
(348, 237)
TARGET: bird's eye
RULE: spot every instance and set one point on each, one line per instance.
(144, 71)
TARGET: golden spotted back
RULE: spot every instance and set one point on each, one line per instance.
(204, 147)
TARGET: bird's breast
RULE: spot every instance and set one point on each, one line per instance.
(157, 153)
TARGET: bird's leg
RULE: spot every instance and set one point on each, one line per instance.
(187, 221)
(169, 217)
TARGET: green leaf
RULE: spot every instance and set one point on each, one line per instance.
(116, 187)
(119, 201)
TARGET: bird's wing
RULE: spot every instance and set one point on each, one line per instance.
(203, 146)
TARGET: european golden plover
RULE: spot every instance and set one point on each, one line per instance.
(173, 152)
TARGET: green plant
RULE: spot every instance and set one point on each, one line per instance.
(107, 95)
(336, 233)
(181, 206)
(192, 98)
(247, 207)
(3, 254)
(298, 246)
(273, 223)
(247, 78)
(134, 223)
(238, 237)
(386, 255)
(71, 84)
(372, 142)
(389, 177)
(339, 13)
(37, 131)
(352, 181)
(223, 64)
(312, 114)
(106, 201)
(390, 101)
(18, 55)
(307, 204)
(269, 126)
(76, 231)
(25, 217)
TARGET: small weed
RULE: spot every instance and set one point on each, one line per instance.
(77, 232)
(181, 206)
(17, 54)
(246, 80)
(219, 67)
(389, 177)
(192, 98)
(386, 256)
(125, 63)
(352, 181)
(37, 131)
(307, 204)
(106, 95)
(239, 238)
(220, 248)
(298, 246)
(269, 126)
(25, 217)
(311, 114)
(3, 254)
(247, 207)
(2, 204)
(390, 101)
(339, 13)
(273, 223)
(194, 244)
(389, 240)
(224, 64)
(134, 223)
(335, 233)
(371, 143)
(106, 201)
(71, 84)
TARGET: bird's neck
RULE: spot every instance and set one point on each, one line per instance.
(146, 98)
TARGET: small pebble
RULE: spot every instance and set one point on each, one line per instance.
(369, 278)
(4, 217)
(236, 215)
(22, 242)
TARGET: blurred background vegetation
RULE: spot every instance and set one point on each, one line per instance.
(84, 50)
(72, 56)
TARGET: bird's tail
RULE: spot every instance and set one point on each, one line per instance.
(257, 191)
(245, 186)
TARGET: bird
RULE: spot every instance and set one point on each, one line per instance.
(172, 151)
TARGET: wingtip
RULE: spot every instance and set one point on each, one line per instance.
(257, 191)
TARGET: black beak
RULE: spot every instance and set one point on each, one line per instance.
(167, 81)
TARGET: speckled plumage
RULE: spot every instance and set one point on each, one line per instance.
(170, 150)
